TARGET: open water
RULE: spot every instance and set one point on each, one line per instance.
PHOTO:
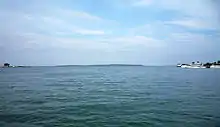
(109, 96)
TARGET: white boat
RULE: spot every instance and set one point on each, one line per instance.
(193, 65)
(179, 65)
(188, 66)
(200, 65)
(185, 66)
(215, 66)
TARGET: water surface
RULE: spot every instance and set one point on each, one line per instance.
(111, 96)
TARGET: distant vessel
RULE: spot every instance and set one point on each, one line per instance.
(185, 66)
(5, 65)
(179, 65)
(215, 66)
(193, 65)
(197, 65)
(200, 65)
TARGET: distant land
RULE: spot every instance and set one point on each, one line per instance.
(6, 65)
(102, 65)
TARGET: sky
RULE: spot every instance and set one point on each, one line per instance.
(75, 32)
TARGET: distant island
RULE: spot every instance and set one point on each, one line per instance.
(7, 65)
(117, 65)
(200, 65)
(102, 65)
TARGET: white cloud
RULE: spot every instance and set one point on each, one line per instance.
(65, 27)
(194, 23)
(71, 29)
(79, 14)
(194, 8)
(198, 14)
(130, 41)
(142, 2)
(158, 29)
(192, 38)
(89, 32)
(169, 35)
(136, 39)
(201, 8)
(52, 24)
(99, 43)
(52, 20)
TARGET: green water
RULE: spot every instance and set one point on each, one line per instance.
(109, 96)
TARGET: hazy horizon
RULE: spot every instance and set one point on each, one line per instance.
(64, 65)
(98, 32)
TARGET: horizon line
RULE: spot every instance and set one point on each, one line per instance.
(64, 65)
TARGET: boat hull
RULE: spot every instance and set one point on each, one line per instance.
(188, 66)
(215, 66)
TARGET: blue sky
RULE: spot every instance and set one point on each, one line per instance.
(149, 32)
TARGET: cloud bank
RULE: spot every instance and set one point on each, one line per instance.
(150, 32)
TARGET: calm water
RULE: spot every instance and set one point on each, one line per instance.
(109, 96)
